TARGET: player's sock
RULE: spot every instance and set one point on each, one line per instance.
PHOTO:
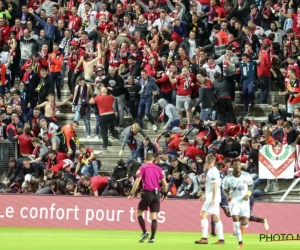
(237, 230)
(219, 226)
(153, 229)
(142, 223)
(213, 225)
(256, 219)
(204, 225)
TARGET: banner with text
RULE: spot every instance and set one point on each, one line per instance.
(276, 162)
(120, 214)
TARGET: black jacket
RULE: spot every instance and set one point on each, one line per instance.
(116, 83)
(40, 42)
(13, 173)
(221, 88)
(119, 172)
(272, 118)
(206, 97)
(186, 44)
(35, 169)
(136, 69)
(46, 88)
(140, 151)
(255, 42)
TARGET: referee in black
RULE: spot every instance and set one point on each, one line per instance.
(152, 177)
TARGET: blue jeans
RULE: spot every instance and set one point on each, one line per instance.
(174, 123)
(86, 118)
(248, 94)
(145, 106)
(91, 169)
(97, 124)
(291, 107)
(132, 153)
(205, 113)
(265, 88)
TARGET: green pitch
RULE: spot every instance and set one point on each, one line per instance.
(56, 239)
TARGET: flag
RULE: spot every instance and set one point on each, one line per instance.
(276, 162)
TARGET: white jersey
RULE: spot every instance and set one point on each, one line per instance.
(213, 176)
(238, 186)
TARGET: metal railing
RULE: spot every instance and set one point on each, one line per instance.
(8, 150)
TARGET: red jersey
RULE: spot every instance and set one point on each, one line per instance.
(230, 131)
(192, 152)
(99, 183)
(151, 15)
(88, 153)
(34, 4)
(103, 26)
(74, 23)
(4, 30)
(18, 30)
(73, 61)
(25, 144)
(59, 158)
(150, 70)
(165, 85)
(104, 13)
(184, 85)
(113, 26)
(64, 164)
(296, 23)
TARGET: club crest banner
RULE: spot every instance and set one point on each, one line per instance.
(276, 162)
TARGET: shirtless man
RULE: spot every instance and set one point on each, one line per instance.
(88, 66)
(51, 106)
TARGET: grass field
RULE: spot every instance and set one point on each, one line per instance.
(52, 239)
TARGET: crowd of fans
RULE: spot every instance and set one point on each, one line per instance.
(121, 57)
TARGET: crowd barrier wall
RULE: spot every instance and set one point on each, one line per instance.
(119, 214)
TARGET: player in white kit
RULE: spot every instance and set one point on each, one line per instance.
(238, 189)
(212, 201)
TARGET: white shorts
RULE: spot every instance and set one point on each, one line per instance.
(209, 209)
(241, 209)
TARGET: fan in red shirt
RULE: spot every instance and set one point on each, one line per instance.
(74, 21)
(54, 158)
(150, 67)
(151, 15)
(35, 4)
(25, 142)
(295, 17)
(4, 30)
(114, 25)
(224, 131)
(65, 164)
(189, 152)
(97, 184)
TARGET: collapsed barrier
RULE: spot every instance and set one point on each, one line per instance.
(120, 214)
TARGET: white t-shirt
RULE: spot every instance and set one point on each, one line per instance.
(52, 129)
(238, 186)
(212, 176)
(210, 71)
(192, 48)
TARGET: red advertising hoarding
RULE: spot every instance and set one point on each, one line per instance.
(119, 214)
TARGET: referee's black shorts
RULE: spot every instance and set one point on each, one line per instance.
(151, 200)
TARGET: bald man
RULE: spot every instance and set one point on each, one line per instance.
(105, 104)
